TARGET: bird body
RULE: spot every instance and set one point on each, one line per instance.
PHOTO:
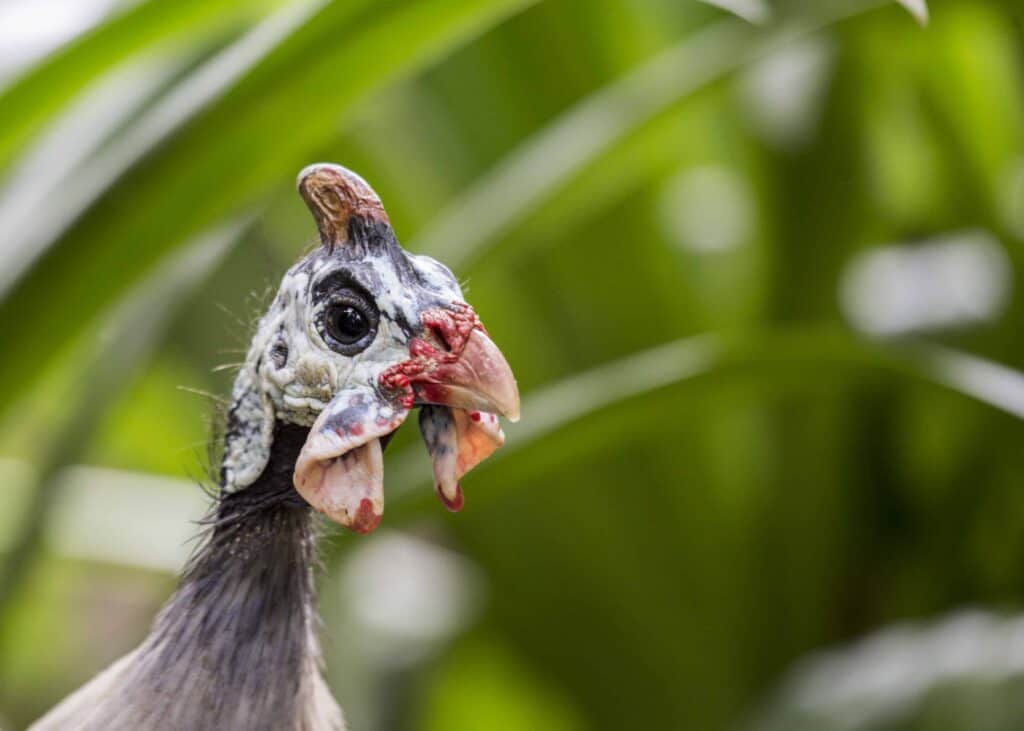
(359, 333)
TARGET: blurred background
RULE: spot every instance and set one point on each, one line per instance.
(758, 267)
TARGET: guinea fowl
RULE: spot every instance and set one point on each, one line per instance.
(359, 334)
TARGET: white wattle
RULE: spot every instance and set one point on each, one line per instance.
(478, 434)
(457, 440)
(355, 476)
(437, 426)
(340, 470)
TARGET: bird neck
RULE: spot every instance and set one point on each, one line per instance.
(238, 638)
(236, 646)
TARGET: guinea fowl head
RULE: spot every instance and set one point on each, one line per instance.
(359, 334)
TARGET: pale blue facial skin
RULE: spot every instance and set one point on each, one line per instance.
(417, 343)
(291, 373)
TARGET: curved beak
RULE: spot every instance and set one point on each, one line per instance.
(479, 379)
(462, 392)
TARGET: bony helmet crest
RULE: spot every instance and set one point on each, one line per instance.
(359, 334)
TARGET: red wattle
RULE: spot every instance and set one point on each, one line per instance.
(365, 519)
(454, 505)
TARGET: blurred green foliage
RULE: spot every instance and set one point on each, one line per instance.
(663, 538)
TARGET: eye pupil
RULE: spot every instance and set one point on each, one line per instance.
(346, 317)
(348, 324)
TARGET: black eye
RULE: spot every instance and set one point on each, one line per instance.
(348, 322)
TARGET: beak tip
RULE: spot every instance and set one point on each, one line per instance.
(508, 403)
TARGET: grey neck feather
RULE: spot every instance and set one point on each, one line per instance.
(236, 646)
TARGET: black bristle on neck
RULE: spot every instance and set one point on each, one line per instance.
(272, 490)
(236, 646)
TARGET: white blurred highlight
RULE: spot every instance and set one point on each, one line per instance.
(35, 183)
(917, 8)
(126, 518)
(884, 675)
(31, 29)
(988, 382)
(956, 280)
(708, 209)
(784, 90)
(753, 11)
(407, 595)
(120, 517)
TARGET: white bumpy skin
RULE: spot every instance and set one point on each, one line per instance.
(359, 333)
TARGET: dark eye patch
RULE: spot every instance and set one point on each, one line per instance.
(346, 314)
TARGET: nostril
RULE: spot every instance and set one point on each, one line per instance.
(442, 341)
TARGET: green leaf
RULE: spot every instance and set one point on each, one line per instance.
(753, 11)
(31, 100)
(80, 189)
(224, 159)
(541, 167)
(130, 338)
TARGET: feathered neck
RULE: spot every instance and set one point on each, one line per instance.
(236, 645)
(239, 635)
